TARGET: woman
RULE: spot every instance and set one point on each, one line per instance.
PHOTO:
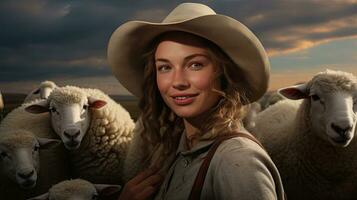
(193, 73)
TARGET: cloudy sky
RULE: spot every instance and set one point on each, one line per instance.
(66, 41)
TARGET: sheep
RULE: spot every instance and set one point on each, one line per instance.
(78, 189)
(252, 110)
(41, 92)
(19, 164)
(1, 106)
(270, 98)
(94, 127)
(311, 140)
(21, 134)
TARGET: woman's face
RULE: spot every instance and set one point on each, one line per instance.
(186, 75)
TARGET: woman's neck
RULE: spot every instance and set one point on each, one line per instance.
(193, 128)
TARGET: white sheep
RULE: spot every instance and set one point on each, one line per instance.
(252, 110)
(270, 98)
(78, 189)
(41, 92)
(1, 106)
(94, 127)
(21, 136)
(311, 141)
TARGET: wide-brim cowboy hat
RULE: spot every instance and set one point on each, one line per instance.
(131, 40)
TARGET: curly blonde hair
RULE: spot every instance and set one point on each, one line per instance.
(161, 126)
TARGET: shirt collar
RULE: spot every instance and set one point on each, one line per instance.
(201, 144)
(183, 147)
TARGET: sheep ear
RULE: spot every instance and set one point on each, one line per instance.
(295, 92)
(46, 143)
(107, 190)
(36, 91)
(38, 107)
(96, 103)
(40, 197)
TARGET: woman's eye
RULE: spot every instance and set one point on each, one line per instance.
(163, 68)
(196, 66)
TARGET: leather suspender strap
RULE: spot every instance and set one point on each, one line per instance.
(201, 175)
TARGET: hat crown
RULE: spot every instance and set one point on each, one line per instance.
(188, 11)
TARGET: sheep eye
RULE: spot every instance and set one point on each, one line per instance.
(314, 97)
(85, 107)
(36, 148)
(4, 155)
(94, 196)
(53, 109)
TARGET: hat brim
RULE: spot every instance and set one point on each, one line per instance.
(130, 41)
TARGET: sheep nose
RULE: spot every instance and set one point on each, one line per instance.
(341, 131)
(26, 175)
(71, 134)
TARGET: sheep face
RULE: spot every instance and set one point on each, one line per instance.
(70, 121)
(19, 157)
(70, 111)
(333, 116)
(19, 160)
(332, 106)
(78, 189)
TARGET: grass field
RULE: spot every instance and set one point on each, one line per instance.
(13, 100)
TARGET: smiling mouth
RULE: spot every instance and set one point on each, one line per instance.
(184, 100)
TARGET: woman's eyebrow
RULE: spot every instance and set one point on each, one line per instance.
(162, 59)
(187, 58)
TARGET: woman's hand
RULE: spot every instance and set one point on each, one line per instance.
(142, 186)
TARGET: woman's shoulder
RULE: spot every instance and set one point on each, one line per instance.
(242, 162)
(244, 142)
(243, 150)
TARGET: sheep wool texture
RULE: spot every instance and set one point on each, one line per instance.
(310, 167)
(69, 188)
(16, 139)
(101, 154)
(53, 161)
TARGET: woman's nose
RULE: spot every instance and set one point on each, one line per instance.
(180, 80)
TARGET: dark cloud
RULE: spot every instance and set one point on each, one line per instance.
(43, 38)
